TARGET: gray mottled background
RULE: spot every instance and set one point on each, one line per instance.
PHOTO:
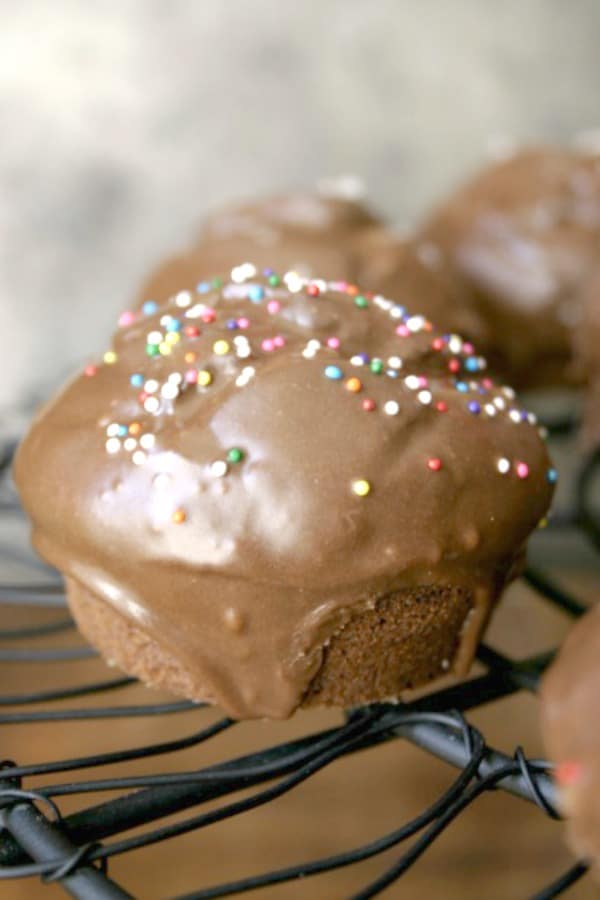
(123, 121)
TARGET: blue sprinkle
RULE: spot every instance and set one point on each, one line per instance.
(149, 307)
(137, 380)
(203, 287)
(462, 386)
(333, 372)
(364, 356)
(472, 364)
(256, 293)
(524, 416)
(122, 430)
(232, 324)
(474, 407)
(268, 272)
(552, 476)
(173, 325)
(391, 373)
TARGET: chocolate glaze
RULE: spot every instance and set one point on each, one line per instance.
(518, 243)
(569, 696)
(243, 568)
(588, 344)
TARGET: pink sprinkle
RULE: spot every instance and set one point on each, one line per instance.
(243, 322)
(403, 331)
(423, 381)
(191, 376)
(273, 306)
(434, 464)
(468, 348)
(333, 342)
(268, 344)
(90, 371)
(279, 341)
(126, 318)
(522, 469)
(487, 383)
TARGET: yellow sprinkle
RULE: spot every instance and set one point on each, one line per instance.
(164, 349)
(172, 337)
(110, 357)
(361, 487)
(543, 523)
(221, 348)
(204, 378)
(178, 517)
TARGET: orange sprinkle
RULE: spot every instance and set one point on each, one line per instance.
(190, 357)
(352, 290)
(354, 385)
(179, 516)
(135, 428)
(567, 773)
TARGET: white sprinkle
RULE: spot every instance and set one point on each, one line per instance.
(183, 299)
(239, 274)
(508, 392)
(500, 403)
(543, 432)
(151, 386)
(294, 282)
(515, 416)
(455, 343)
(113, 445)
(503, 465)
(313, 344)
(391, 408)
(490, 409)
(357, 361)
(175, 378)
(412, 382)
(113, 429)
(240, 339)
(394, 362)
(532, 418)
(219, 468)
(243, 351)
(155, 337)
(482, 362)
(152, 404)
(415, 323)
(130, 444)
(161, 481)
(309, 354)
(396, 312)
(382, 303)
(195, 311)
(424, 397)
(169, 391)
(138, 458)
(147, 441)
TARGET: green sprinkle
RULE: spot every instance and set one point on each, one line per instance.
(217, 283)
(152, 349)
(235, 455)
(376, 366)
(361, 301)
(274, 280)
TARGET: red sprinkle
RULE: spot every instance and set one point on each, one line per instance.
(434, 464)
(313, 290)
(441, 406)
(437, 344)
(454, 365)
(209, 315)
(90, 371)
(368, 405)
(191, 331)
(567, 773)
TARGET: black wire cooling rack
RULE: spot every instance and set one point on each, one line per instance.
(37, 840)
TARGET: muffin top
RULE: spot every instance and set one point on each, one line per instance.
(253, 455)
(569, 696)
(518, 242)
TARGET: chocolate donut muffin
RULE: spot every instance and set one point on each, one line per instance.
(569, 697)
(589, 347)
(275, 492)
(518, 243)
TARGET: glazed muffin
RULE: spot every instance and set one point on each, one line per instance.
(569, 701)
(275, 492)
(518, 244)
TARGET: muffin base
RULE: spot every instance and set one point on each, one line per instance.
(400, 642)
